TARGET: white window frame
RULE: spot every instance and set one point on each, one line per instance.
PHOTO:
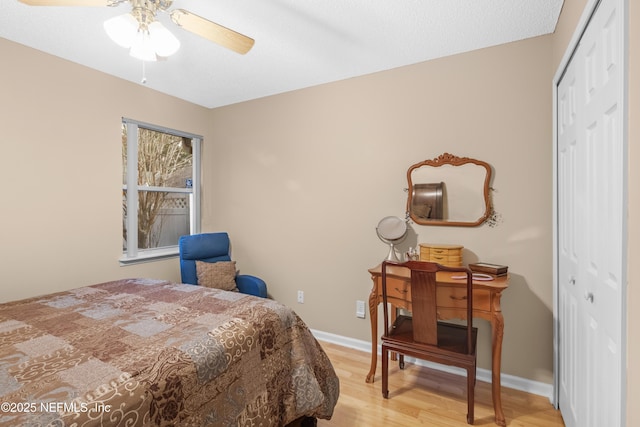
(133, 255)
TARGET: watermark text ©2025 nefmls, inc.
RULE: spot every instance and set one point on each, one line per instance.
(52, 407)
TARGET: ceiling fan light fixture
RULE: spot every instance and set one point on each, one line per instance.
(122, 29)
(139, 31)
(140, 24)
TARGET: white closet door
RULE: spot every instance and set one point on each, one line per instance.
(590, 192)
(570, 289)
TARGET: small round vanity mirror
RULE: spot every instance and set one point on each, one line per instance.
(392, 230)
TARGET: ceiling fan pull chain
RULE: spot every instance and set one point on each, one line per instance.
(144, 73)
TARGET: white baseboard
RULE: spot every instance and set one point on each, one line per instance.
(510, 381)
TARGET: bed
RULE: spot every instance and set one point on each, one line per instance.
(141, 352)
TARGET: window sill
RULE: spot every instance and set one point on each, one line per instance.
(150, 255)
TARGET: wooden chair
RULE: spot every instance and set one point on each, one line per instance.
(421, 335)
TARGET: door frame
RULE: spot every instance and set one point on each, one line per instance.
(588, 12)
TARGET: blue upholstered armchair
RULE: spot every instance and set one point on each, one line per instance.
(213, 247)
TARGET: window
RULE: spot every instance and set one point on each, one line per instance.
(160, 190)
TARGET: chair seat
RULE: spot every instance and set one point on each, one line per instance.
(452, 342)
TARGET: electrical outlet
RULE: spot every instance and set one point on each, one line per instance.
(300, 297)
(360, 309)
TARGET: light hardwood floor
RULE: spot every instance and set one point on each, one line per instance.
(422, 396)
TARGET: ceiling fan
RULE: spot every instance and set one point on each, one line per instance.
(146, 37)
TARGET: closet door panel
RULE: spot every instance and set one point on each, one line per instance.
(590, 188)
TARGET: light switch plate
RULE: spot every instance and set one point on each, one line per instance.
(360, 309)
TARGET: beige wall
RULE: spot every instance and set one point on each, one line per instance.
(571, 12)
(61, 174)
(300, 180)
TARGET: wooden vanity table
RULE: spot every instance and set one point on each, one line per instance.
(450, 295)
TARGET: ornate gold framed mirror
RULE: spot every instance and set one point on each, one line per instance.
(449, 190)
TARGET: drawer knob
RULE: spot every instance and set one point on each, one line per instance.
(403, 291)
(462, 298)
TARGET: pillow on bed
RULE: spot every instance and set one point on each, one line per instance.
(219, 275)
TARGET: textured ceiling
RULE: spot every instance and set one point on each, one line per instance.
(298, 43)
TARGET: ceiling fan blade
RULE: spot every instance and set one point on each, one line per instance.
(71, 2)
(212, 31)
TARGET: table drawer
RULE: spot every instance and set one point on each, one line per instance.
(457, 298)
(400, 289)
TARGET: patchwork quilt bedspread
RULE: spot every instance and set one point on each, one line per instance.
(141, 352)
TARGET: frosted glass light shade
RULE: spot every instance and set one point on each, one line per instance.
(142, 48)
(164, 43)
(122, 29)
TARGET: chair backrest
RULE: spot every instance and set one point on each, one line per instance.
(424, 298)
(207, 247)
